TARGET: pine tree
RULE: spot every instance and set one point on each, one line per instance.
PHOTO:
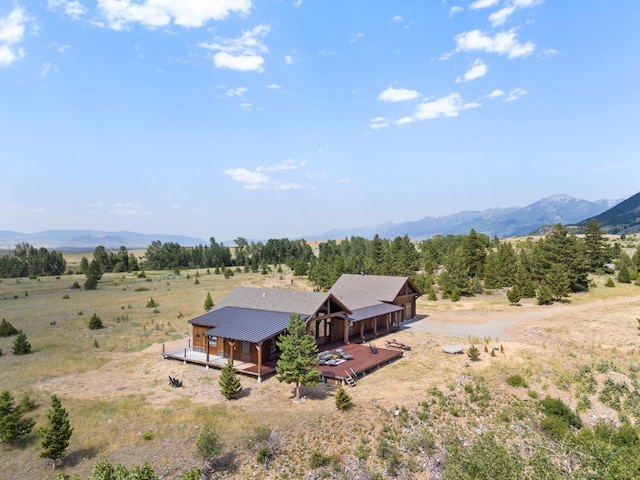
(298, 356)
(473, 353)
(514, 295)
(544, 295)
(13, 428)
(95, 322)
(21, 345)
(343, 400)
(623, 273)
(229, 382)
(208, 302)
(56, 434)
(6, 329)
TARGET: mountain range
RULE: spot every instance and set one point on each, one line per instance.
(614, 216)
(500, 222)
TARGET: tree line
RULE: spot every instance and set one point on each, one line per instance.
(28, 261)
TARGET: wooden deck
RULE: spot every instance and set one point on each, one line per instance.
(363, 359)
(190, 355)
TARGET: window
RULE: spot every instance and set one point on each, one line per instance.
(213, 341)
(246, 348)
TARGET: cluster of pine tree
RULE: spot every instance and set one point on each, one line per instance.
(28, 261)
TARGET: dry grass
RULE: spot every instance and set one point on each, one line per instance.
(122, 408)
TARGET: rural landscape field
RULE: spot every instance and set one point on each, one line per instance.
(422, 416)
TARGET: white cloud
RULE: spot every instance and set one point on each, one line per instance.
(73, 8)
(259, 178)
(48, 68)
(127, 209)
(496, 93)
(503, 43)
(241, 63)
(478, 4)
(611, 166)
(515, 94)
(247, 106)
(455, 10)
(288, 59)
(160, 13)
(501, 16)
(251, 180)
(448, 107)
(288, 186)
(62, 48)
(243, 53)
(236, 92)
(398, 18)
(297, 3)
(274, 86)
(288, 164)
(12, 28)
(478, 70)
(398, 95)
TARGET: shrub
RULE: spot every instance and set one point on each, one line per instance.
(342, 398)
(516, 381)
(208, 443)
(263, 456)
(318, 459)
(148, 436)
(75, 286)
(609, 283)
(95, 322)
(559, 418)
(152, 303)
(65, 296)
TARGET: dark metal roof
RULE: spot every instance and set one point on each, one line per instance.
(372, 311)
(274, 299)
(244, 324)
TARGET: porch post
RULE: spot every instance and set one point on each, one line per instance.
(387, 318)
(375, 326)
(232, 346)
(361, 322)
(346, 329)
(259, 347)
(206, 339)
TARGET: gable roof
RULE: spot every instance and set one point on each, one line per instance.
(359, 291)
(277, 300)
(244, 324)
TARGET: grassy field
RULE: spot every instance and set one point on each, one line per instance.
(113, 381)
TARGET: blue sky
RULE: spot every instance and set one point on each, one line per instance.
(268, 119)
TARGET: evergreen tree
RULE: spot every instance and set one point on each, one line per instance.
(473, 353)
(21, 345)
(298, 356)
(6, 329)
(558, 282)
(208, 302)
(559, 248)
(229, 382)
(514, 295)
(343, 400)
(13, 428)
(56, 434)
(595, 246)
(623, 273)
(95, 322)
(474, 254)
(94, 273)
(208, 443)
(544, 295)
(84, 265)
(455, 274)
